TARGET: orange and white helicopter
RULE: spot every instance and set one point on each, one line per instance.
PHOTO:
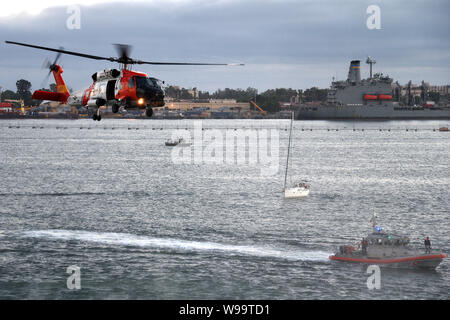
(122, 88)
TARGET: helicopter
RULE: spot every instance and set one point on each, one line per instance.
(123, 88)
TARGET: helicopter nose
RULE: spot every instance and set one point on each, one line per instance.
(150, 95)
(146, 93)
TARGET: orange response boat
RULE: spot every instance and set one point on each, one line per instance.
(386, 249)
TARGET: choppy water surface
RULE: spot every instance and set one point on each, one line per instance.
(107, 197)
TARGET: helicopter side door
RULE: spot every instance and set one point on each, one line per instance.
(126, 89)
(110, 90)
(98, 93)
(118, 88)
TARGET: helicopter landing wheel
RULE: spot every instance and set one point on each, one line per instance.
(99, 117)
(149, 112)
(115, 108)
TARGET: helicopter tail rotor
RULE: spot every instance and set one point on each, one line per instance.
(50, 66)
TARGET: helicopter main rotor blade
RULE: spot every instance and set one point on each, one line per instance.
(89, 56)
(186, 63)
(124, 58)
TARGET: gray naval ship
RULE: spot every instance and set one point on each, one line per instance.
(389, 250)
(371, 99)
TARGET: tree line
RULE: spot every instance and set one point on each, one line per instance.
(23, 92)
(269, 100)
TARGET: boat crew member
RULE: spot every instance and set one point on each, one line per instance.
(427, 243)
(364, 246)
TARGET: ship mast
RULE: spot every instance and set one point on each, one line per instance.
(374, 221)
(289, 148)
(370, 62)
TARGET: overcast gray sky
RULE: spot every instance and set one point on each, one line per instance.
(296, 44)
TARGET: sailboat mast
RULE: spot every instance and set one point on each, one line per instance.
(289, 149)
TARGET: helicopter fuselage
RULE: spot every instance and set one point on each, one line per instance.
(125, 88)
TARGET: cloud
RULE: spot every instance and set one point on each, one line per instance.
(294, 44)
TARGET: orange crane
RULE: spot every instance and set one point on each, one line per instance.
(262, 111)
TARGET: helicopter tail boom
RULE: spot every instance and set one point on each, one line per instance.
(61, 93)
(47, 95)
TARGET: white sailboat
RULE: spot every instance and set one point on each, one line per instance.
(300, 189)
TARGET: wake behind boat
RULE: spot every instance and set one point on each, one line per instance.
(387, 249)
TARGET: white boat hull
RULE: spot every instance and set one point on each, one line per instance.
(296, 192)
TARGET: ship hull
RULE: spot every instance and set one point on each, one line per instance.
(370, 113)
(430, 261)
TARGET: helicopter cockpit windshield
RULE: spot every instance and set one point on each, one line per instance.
(143, 83)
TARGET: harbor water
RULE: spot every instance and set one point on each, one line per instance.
(110, 198)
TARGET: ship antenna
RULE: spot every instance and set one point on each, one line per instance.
(373, 220)
(370, 62)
